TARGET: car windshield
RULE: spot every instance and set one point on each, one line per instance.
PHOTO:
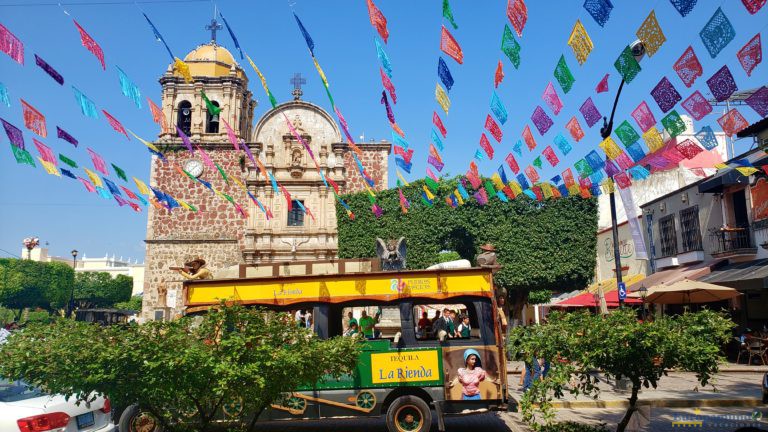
(12, 391)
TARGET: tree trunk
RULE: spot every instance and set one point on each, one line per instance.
(632, 407)
(517, 299)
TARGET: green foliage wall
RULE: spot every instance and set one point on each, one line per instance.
(25, 283)
(541, 245)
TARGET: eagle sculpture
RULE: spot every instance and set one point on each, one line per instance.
(391, 253)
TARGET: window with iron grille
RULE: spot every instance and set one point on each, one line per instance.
(668, 236)
(296, 215)
(690, 230)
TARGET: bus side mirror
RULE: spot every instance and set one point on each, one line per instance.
(396, 340)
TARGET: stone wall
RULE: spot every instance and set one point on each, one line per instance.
(375, 161)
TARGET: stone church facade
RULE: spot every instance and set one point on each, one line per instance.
(217, 232)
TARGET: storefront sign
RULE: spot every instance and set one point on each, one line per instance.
(405, 366)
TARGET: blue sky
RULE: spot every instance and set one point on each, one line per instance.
(62, 213)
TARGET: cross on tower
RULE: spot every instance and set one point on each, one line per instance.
(297, 81)
(213, 26)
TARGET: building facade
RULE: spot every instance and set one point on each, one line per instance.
(222, 234)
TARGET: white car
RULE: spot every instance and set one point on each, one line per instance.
(25, 409)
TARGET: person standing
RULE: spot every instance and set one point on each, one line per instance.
(367, 324)
(348, 321)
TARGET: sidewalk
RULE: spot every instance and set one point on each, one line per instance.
(516, 367)
(678, 390)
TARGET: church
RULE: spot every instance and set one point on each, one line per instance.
(217, 232)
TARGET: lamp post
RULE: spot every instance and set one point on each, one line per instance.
(70, 305)
(643, 294)
(638, 51)
(30, 243)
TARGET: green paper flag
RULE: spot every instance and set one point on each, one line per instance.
(673, 124)
(627, 65)
(221, 171)
(68, 161)
(119, 171)
(510, 47)
(563, 75)
(490, 189)
(431, 184)
(537, 162)
(272, 99)
(212, 109)
(448, 14)
(22, 156)
(627, 134)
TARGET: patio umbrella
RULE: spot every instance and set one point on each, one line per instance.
(688, 291)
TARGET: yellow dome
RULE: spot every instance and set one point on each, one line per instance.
(211, 60)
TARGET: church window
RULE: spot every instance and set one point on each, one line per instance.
(296, 215)
(184, 117)
(212, 120)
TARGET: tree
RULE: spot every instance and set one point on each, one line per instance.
(540, 244)
(183, 371)
(99, 289)
(134, 303)
(620, 346)
(32, 284)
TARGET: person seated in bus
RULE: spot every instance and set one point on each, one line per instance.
(424, 324)
(445, 324)
(348, 320)
(436, 318)
(367, 324)
(464, 330)
(352, 330)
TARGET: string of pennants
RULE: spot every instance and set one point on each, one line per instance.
(621, 165)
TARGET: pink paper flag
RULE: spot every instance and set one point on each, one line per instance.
(387, 83)
(11, 45)
(689, 149)
(644, 117)
(532, 174)
(751, 54)
(528, 137)
(98, 163)
(492, 127)
(512, 163)
(88, 186)
(233, 138)
(46, 153)
(732, 122)
(486, 146)
(157, 114)
(602, 86)
(91, 45)
(552, 99)
(449, 46)
(439, 124)
(697, 106)
(207, 159)
(688, 67)
(622, 180)
(116, 125)
(550, 155)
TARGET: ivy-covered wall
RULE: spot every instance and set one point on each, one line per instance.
(541, 245)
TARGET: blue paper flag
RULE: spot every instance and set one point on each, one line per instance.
(717, 33)
(129, 89)
(502, 174)
(112, 187)
(706, 137)
(436, 139)
(87, 107)
(639, 172)
(479, 155)
(563, 190)
(67, 173)
(523, 182)
(596, 177)
(595, 161)
(383, 57)
(4, 96)
(530, 194)
(636, 151)
(406, 166)
(497, 108)
(307, 37)
(462, 191)
(232, 35)
(274, 183)
(684, 7)
(518, 147)
(556, 179)
(397, 140)
(103, 193)
(562, 143)
(444, 73)
(595, 189)
(502, 196)
(599, 9)
(159, 37)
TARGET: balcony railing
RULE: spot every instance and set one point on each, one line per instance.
(730, 241)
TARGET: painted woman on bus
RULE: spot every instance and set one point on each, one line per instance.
(471, 375)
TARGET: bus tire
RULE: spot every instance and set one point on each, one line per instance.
(411, 408)
(134, 419)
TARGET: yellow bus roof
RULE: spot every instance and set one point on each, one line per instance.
(338, 288)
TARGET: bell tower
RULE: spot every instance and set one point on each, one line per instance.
(213, 229)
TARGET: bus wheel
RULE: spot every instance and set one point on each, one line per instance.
(134, 420)
(409, 414)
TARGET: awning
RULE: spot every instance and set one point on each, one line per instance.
(610, 284)
(673, 275)
(588, 300)
(730, 176)
(743, 275)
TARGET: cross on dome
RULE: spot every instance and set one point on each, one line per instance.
(297, 81)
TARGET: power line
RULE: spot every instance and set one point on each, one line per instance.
(102, 3)
(11, 254)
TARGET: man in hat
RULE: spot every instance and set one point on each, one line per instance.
(194, 269)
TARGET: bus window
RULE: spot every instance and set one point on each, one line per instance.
(458, 321)
(373, 322)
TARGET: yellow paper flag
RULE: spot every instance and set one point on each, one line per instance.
(442, 98)
(50, 168)
(651, 34)
(146, 143)
(400, 176)
(721, 166)
(546, 189)
(747, 171)
(608, 186)
(427, 191)
(580, 42)
(653, 139)
(515, 186)
(183, 69)
(496, 179)
(95, 179)
(458, 197)
(610, 148)
(320, 71)
(143, 189)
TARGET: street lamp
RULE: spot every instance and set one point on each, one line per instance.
(70, 305)
(30, 243)
(638, 51)
(643, 294)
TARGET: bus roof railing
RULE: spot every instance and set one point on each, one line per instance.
(378, 286)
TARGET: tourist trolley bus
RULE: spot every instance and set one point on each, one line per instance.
(404, 372)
